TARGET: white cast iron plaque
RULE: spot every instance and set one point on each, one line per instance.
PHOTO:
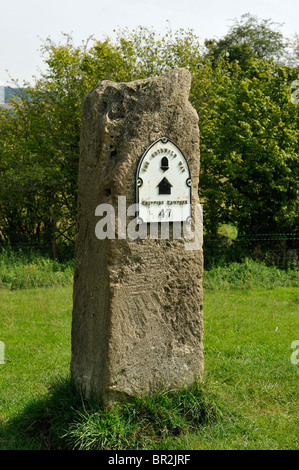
(163, 184)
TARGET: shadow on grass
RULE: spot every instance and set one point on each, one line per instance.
(63, 420)
(42, 423)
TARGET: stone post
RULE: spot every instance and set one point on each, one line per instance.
(137, 303)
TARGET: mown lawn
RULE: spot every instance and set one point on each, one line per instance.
(249, 374)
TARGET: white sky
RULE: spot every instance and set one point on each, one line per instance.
(25, 23)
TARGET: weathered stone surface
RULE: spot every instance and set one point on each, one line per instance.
(137, 314)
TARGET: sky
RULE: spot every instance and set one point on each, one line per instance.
(25, 24)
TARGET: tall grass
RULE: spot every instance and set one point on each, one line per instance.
(249, 274)
(19, 270)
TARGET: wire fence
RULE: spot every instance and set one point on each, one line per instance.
(279, 249)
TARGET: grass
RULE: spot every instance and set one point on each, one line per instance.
(142, 423)
(22, 271)
(35, 328)
(249, 274)
(248, 399)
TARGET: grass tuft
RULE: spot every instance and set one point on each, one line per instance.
(64, 420)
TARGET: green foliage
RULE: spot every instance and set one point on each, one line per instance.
(19, 270)
(248, 125)
(39, 148)
(249, 149)
(23, 271)
(249, 274)
(250, 38)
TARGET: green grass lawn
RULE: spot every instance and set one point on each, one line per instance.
(35, 326)
(249, 377)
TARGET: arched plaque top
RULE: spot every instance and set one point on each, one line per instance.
(163, 184)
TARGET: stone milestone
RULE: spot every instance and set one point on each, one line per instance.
(137, 304)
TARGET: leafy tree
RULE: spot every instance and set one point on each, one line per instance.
(248, 126)
(249, 149)
(39, 145)
(250, 38)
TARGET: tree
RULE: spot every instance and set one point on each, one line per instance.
(39, 144)
(250, 38)
(248, 126)
(249, 149)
